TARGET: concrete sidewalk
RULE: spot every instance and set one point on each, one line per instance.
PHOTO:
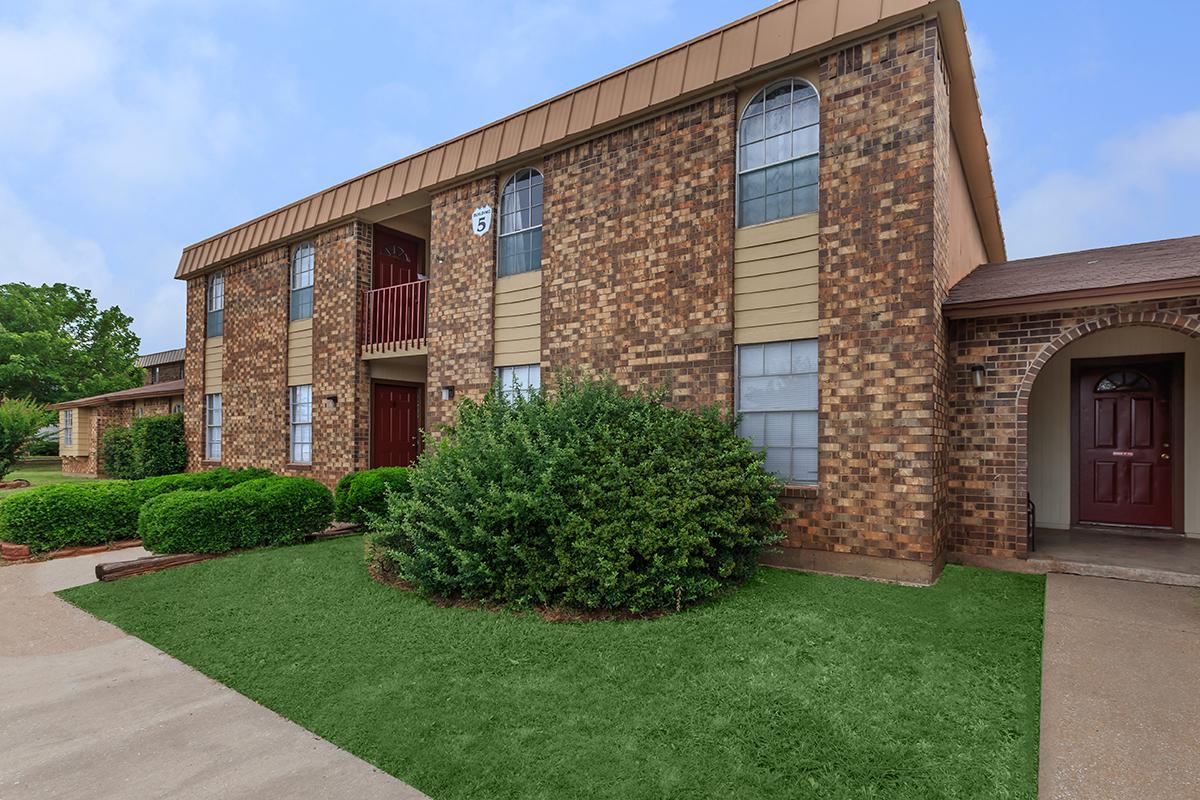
(87, 711)
(1120, 690)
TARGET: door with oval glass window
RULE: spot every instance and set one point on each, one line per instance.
(1127, 443)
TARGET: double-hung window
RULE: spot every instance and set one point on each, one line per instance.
(303, 259)
(300, 414)
(520, 240)
(777, 398)
(68, 427)
(523, 379)
(216, 305)
(212, 427)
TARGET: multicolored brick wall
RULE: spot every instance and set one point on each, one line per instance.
(171, 371)
(990, 426)
(638, 254)
(254, 395)
(461, 287)
(884, 130)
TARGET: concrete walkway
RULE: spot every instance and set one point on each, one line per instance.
(87, 711)
(1120, 690)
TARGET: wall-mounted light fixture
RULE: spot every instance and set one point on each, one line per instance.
(978, 372)
(331, 401)
(447, 392)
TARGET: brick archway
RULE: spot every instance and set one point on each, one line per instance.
(1180, 323)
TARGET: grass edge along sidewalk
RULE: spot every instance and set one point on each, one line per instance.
(797, 685)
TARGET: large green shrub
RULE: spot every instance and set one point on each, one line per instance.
(595, 498)
(19, 424)
(116, 454)
(98, 512)
(158, 447)
(360, 496)
(68, 515)
(275, 510)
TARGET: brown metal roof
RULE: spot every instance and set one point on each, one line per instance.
(742, 48)
(1163, 268)
(158, 359)
(164, 389)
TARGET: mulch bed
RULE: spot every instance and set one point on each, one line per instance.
(19, 483)
(20, 552)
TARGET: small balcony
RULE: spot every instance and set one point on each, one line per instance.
(394, 319)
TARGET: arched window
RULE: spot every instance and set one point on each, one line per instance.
(304, 257)
(1124, 381)
(520, 224)
(778, 150)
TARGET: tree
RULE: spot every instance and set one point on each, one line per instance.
(56, 344)
(19, 424)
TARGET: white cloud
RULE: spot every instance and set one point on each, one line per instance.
(1132, 184)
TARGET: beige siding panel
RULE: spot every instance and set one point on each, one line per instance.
(214, 364)
(771, 281)
(518, 320)
(81, 433)
(776, 298)
(300, 352)
(782, 230)
(781, 332)
(775, 274)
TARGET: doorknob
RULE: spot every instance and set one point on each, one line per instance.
(1165, 456)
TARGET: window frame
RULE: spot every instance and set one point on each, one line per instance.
(305, 425)
(213, 402)
(68, 427)
(508, 391)
(502, 234)
(740, 412)
(300, 296)
(740, 170)
(214, 324)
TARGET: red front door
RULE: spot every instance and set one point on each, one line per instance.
(398, 258)
(395, 425)
(1125, 461)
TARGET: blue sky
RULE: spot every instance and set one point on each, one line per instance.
(130, 129)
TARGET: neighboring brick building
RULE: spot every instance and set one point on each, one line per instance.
(82, 422)
(770, 218)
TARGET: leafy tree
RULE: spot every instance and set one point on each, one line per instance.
(57, 344)
(19, 423)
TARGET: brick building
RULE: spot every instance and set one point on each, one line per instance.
(792, 216)
(82, 422)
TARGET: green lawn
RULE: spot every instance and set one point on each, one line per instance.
(796, 686)
(41, 471)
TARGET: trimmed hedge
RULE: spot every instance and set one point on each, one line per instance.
(158, 447)
(98, 512)
(265, 511)
(116, 454)
(360, 496)
(593, 499)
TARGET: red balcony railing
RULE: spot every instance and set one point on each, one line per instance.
(394, 317)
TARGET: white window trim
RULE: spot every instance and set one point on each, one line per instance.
(737, 400)
(508, 388)
(211, 402)
(68, 427)
(740, 170)
(295, 427)
(502, 234)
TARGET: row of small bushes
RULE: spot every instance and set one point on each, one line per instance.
(150, 446)
(264, 511)
(361, 497)
(79, 514)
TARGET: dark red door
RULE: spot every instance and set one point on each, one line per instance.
(398, 258)
(1125, 463)
(395, 425)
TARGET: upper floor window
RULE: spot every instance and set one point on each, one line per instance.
(520, 242)
(778, 151)
(303, 258)
(216, 305)
(154, 375)
(68, 428)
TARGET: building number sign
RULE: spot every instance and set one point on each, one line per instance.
(481, 220)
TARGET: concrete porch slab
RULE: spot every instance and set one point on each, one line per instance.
(1148, 558)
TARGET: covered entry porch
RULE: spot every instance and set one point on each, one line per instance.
(1075, 428)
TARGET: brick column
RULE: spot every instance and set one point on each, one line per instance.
(462, 279)
(193, 373)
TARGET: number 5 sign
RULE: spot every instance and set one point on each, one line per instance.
(481, 220)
